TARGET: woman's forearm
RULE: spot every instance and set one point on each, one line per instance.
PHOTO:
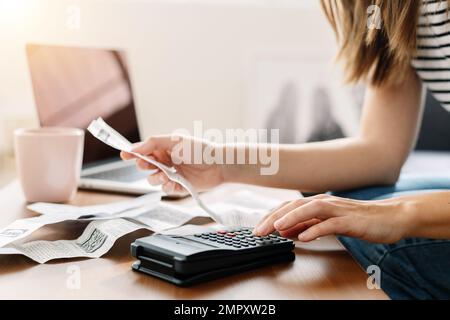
(428, 216)
(319, 167)
(389, 125)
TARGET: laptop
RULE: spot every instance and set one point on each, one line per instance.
(73, 86)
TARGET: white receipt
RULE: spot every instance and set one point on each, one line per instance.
(102, 131)
(110, 222)
(96, 240)
(22, 228)
(55, 213)
(166, 216)
(244, 208)
(101, 234)
(97, 211)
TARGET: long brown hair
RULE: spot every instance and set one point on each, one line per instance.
(379, 55)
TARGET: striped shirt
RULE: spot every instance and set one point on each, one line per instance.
(432, 61)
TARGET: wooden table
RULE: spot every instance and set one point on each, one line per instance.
(313, 275)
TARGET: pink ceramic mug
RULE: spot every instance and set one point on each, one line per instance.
(49, 162)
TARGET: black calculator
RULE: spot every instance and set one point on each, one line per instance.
(192, 259)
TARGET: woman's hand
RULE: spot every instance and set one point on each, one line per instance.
(382, 221)
(173, 152)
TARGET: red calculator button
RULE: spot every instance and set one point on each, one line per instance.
(230, 234)
(221, 232)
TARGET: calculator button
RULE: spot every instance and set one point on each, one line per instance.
(231, 234)
(236, 246)
(222, 232)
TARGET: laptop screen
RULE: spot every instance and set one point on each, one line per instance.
(73, 86)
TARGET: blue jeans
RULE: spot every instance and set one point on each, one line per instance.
(412, 268)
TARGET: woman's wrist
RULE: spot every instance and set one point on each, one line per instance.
(424, 216)
(229, 172)
(224, 168)
(408, 217)
(239, 166)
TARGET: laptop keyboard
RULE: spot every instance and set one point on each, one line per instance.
(124, 174)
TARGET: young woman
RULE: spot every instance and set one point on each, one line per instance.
(404, 229)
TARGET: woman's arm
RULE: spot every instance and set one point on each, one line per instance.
(389, 127)
(388, 131)
(383, 221)
(429, 216)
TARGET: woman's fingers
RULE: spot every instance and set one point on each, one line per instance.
(315, 209)
(298, 228)
(151, 145)
(156, 143)
(144, 165)
(267, 216)
(157, 178)
(339, 225)
(267, 225)
(168, 186)
(174, 189)
(126, 156)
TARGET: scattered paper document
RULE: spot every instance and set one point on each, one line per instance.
(22, 228)
(244, 208)
(96, 240)
(147, 209)
(102, 210)
(166, 216)
(56, 213)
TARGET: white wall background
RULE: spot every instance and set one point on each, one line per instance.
(190, 59)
